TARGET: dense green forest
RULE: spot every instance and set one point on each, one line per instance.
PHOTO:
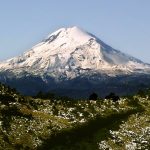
(47, 122)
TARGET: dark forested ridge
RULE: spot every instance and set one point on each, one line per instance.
(79, 87)
(54, 123)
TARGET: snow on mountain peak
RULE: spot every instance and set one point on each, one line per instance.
(74, 34)
(70, 52)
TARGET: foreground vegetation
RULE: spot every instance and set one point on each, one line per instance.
(35, 123)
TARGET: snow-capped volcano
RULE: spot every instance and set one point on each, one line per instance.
(70, 52)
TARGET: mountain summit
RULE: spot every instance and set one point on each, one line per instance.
(71, 53)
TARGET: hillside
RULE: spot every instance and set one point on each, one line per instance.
(28, 123)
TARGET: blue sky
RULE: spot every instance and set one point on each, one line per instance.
(123, 24)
